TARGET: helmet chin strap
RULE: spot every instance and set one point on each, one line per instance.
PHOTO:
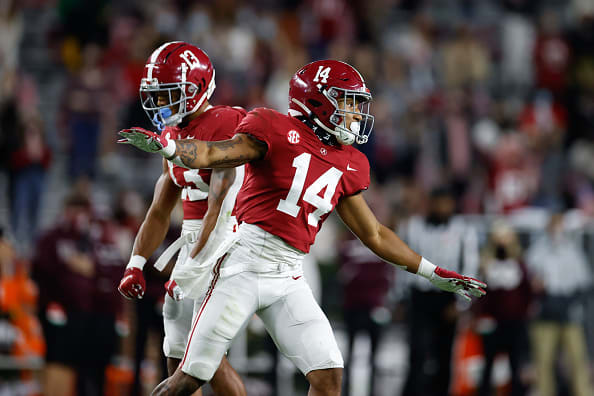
(173, 120)
(342, 136)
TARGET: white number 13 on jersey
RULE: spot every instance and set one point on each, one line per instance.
(329, 180)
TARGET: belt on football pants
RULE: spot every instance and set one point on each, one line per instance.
(168, 254)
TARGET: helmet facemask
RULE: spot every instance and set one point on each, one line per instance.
(162, 116)
(360, 103)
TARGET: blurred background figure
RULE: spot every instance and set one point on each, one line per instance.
(365, 283)
(74, 266)
(30, 159)
(502, 318)
(432, 316)
(145, 315)
(85, 102)
(22, 346)
(560, 276)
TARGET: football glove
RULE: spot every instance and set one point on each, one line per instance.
(464, 286)
(174, 290)
(148, 141)
(132, 284)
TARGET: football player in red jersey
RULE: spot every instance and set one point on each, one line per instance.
(299, 167)
(177, 82)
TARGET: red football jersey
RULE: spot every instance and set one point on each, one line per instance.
(216, 123)
(293, 189)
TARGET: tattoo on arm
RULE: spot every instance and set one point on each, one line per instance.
(257, 147)
(221, 154)
(230, 162)
(186, 151)
(260, 146)
(224, 145)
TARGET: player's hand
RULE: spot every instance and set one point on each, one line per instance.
(462, 285)
(174, 290)
(148, 141)
(132, 284)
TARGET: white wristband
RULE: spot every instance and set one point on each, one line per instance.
(169, 154)
(169, 150)
(426, 268)
(136, 261)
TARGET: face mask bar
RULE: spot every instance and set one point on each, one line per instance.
(361, 107)
(148, 98)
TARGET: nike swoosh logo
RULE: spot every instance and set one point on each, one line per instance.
(351, 169)
(296, 277)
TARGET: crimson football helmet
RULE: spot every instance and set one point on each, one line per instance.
(316, 90)
(183, 71)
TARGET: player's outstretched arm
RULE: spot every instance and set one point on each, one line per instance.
(150, 235)
(357, 215)
(192, 153)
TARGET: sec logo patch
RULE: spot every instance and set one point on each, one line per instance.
(293, 136)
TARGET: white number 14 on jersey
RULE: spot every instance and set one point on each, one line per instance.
(323, 205)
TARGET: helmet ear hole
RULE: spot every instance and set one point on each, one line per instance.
(314, 103)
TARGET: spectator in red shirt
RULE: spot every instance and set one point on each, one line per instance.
(551, 54)
(77, 267)
(514, 175)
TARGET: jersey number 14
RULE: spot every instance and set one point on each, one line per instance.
(323, 205)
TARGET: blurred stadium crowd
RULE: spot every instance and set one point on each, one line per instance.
(489, 103)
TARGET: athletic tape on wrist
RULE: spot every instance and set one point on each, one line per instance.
(169, 151)
(170, 155)
(136, 261)
(426, 268)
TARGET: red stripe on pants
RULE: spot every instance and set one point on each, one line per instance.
(216, 273)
